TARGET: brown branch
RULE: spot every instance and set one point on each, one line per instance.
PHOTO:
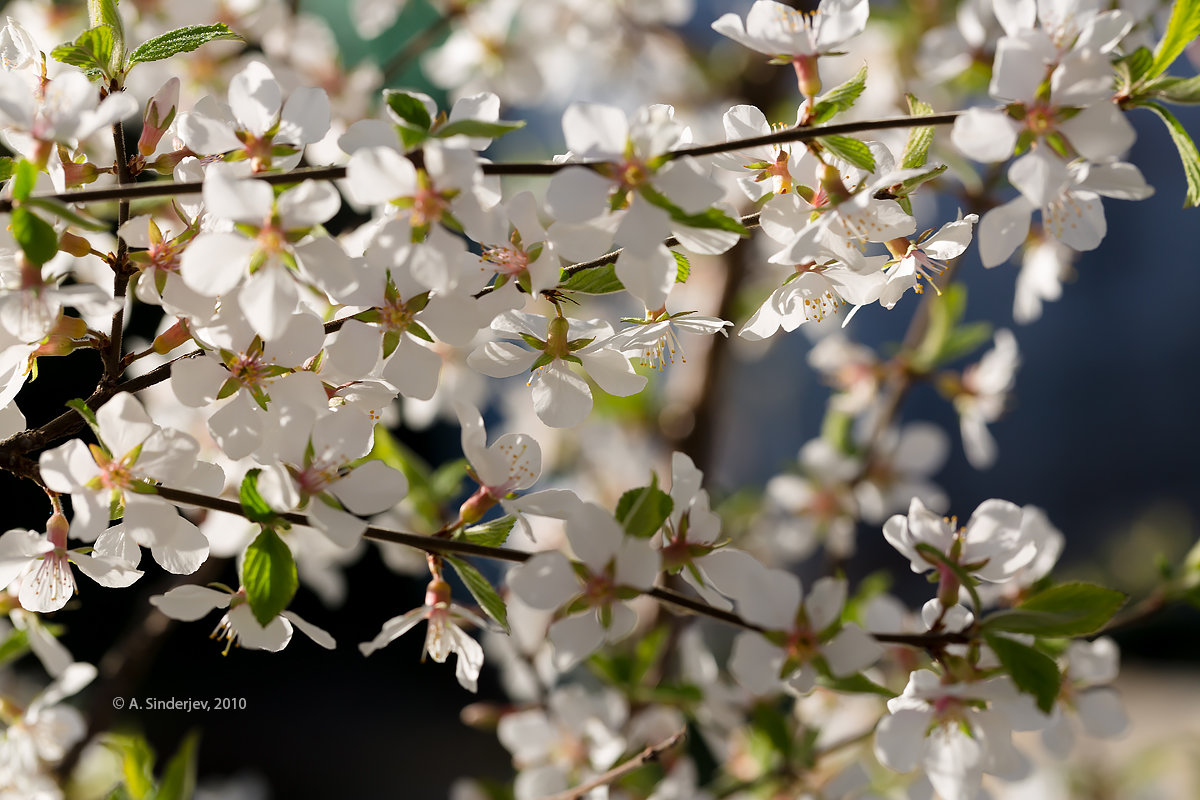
(122, 270)
(651, 753)
(438, 546)
(142, 191)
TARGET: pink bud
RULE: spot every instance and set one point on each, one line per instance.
(160, 113)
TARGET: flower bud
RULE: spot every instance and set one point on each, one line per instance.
(172, 337)
(160, 113)
(476, 506)
(437, 592)
(74, 244)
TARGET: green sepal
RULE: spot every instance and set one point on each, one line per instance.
(491, 534)
(1032, 671)
(840, 98)
(418, 330)
(35, 236)
(254, 507)
(1069, 609)
(965, 579)
(643, 511)
(411, 118)
(850, 150)
(1187, 152)
(482, 590)
(391, 340)
(269, 576)
(180, 40)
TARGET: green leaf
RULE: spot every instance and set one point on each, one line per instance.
(24, 179)
(63, 211)
(944, 315)
(137, 763)
(8, 167)
(708, 218)
(963, 340)
(850, 150)
(1032, 671)
(1069, 609)
(854, 684)
(597, 280)
(1182, 28)
(1182, 91)
(180, 40)
(683, 267)
(482, 590)
(35, 236)
(91, 51)
(269, 576)
(643, 511)
(916, 149)
(15, 645)
(407, 108)
(1133, 68)
(1187, 152)
(477, 127)
(254, 507)
(839, 98)
(492, 534)
(88, 415)
(179, 778)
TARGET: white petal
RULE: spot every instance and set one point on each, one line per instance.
(190, 603)
(318, 635)
(851, 651)
(545, 581)
(371, 488)
(574, 639)
(255, 97)
(561, 399)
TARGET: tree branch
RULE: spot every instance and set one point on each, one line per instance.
(651, 753)
(143, 191)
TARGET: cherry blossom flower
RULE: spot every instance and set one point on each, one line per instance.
(926, 257)
(984, 393)
(561, 397)
(42, 565)
(257, 126)
(775, 29)
(444, 635)
(614, 568)
(801, 511)
(992, 546)
(800, 639)
(64, 110)
(238, 627)
(1089, 667)
(259, 260)
(37, 738)
(655, 340)
(133, 454)
(509, 465)
(955, 732)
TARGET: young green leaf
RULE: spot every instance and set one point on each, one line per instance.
(850, 150)
(916, 148)
(269, 576)
(1182, 29)
(1181, 91)
(643, 511)
(35, 236)
(180, 40)
(86, 412)
(179, 778)
(482, 590)
(91, 51)
(683, 267)
(713, 218)
(477, 127)
(24, 179)
(63, 211)
(598, 280)
(1032, 671)
(492, 534)
(1069, 609)
(253, 505)
(1187, 152)
(839, 98)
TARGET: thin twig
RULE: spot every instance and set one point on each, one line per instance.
(651, 753)
(437, 546)
(171, 188)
